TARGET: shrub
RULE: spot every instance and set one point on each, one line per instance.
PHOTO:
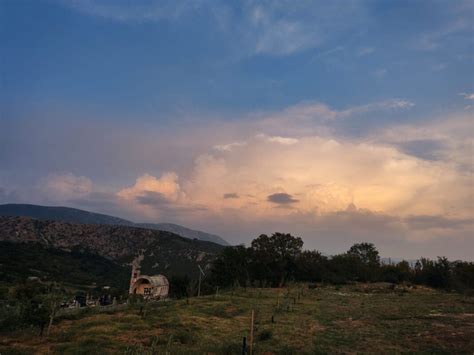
(264, 335)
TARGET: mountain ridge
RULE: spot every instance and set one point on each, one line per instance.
(75, 215)
(163, 252)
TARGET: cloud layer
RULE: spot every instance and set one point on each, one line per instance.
(403, 186)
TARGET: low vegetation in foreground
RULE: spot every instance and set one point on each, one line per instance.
(297, 319)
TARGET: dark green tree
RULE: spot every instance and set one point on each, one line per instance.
(400, 272)
(343, 268)
(179, 286)
(231, 267)
(367, 253)
(275, 256)
(36, 313)
(463, 275)
(370, 259)
(311, 266)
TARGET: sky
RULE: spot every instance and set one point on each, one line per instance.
(337, 121)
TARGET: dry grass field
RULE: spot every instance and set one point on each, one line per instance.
(347, 319)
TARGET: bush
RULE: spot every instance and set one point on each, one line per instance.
(10, 318)
(184, 337)
(265, 334)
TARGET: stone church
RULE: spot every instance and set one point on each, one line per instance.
(151, 287)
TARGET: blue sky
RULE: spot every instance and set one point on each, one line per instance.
(105, 101)
(215, 56)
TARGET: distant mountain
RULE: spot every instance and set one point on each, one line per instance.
(185, 232)
(163, 252)
(73, 215)
(65, 214)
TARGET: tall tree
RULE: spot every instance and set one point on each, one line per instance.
(231, 267)
(369, 258)
(276, 255)
(366, 252)
(311, 266)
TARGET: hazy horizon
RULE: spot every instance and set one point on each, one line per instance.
(339, 122)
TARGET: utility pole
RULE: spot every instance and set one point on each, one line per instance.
(201, 273)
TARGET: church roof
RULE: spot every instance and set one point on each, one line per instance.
(154, 280)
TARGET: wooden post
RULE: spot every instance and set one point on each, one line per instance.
(51, 318)
(251, 333)
(217, 291)
(199, 285)
(244, 345)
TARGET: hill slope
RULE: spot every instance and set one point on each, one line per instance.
(185, 232)
(74, 215)
(19, 261)
(66, 214)
(164, 252)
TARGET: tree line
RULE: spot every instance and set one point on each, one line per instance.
(273, 261)
(269, 261)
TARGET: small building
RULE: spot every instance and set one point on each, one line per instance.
(151, 287)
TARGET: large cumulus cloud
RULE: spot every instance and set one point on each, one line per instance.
(405, 187)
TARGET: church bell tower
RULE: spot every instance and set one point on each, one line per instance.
(135, 274)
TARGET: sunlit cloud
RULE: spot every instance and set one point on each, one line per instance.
(278, 139)
(335, 120)
(410, 182)
(148, 188)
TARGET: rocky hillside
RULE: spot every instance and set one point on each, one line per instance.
(164, 252)
(74, 215)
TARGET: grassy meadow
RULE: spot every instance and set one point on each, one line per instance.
(361, 318)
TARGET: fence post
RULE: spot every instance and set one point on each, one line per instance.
(251, 333)
(244, 345)
(199, 285)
